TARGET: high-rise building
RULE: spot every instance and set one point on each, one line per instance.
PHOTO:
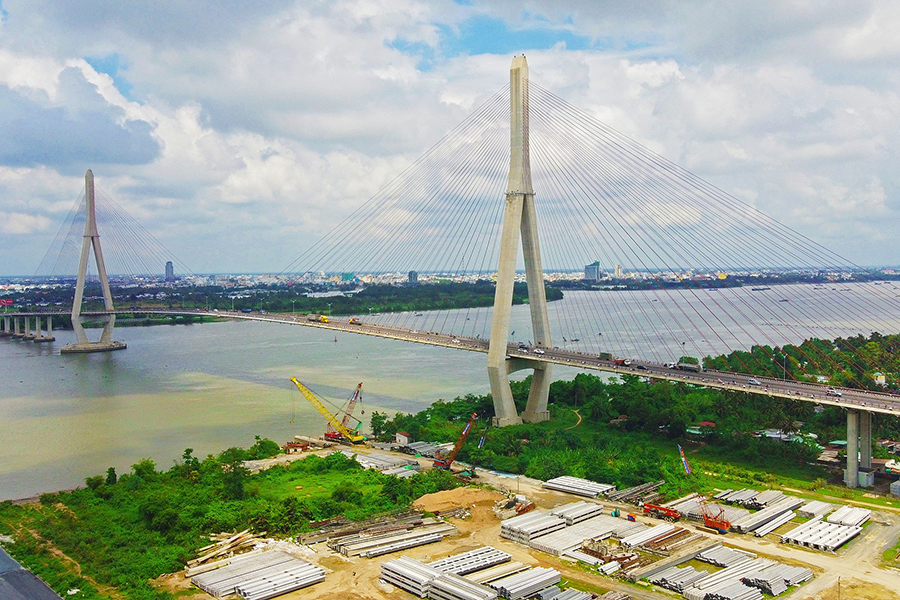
(170, 271)
(592, 271)
(413, 277)
(618, 271)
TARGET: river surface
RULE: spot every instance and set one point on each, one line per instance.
(215, 385)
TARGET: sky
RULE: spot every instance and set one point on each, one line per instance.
(238, 133)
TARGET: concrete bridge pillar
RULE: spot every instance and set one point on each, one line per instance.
(851, 474)
(17, 327)
(6, 332)
(28, 334)
(865, 439)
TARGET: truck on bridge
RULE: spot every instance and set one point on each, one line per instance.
(317, 318)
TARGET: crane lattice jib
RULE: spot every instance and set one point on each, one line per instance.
(351, 405)
(448, 460)
(332, 420)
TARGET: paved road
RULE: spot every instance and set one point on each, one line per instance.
(794, 390)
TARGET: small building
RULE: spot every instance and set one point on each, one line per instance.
(18, 583)
(295, 447)
(402, 438)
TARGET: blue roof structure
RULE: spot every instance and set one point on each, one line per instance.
(18, 583)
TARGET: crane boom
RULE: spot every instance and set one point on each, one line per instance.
(351, 405)
(444, 462)
(351, 436)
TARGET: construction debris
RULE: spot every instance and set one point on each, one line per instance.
(615, 596)
(259, 576)
(226, 544)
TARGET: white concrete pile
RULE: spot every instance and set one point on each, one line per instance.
(474, 560)
(821, 535)
(578, 486)
(454, 587)
(568, 594)
(690, 508)
(777, 578)
(756, 520)
(583, 557)
(678, 578)
(282, 570)
(498, 572)
(277, 584)
(577, 511)
(610, 567)
(850, 515)
(401, 472)
(524, 528)
(548, 593)
(569, 538)
(627, 528)
(774, 524)
(527, 583)
(379, 462)
(647, 535)
(737, 497)
(764, 499)
(633, 494)
(726, 584)
(427, 449)
(722, 556)
(410, 575)
(615, 596)
(815, 508)
(369, 546)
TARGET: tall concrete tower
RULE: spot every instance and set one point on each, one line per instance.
(91, 239)
(519, 218)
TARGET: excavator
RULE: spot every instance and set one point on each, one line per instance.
(339, 431)
(444, 462)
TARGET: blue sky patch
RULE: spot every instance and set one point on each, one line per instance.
(112, 65)
(488, 35)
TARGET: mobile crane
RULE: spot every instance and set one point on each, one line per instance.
(347, 434)
(335, 436)
(718, 522)
(444, 462)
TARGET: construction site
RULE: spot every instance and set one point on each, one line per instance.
(506, 536)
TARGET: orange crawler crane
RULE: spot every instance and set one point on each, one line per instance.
(714, 521)
(444, 462)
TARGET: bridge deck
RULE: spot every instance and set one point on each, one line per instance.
(807, 392)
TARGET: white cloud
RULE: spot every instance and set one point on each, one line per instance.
(19, 223)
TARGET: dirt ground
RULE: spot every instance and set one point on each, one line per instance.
(464, 497)
(858, 590)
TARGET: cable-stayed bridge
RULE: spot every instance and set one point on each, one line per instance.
(665, 251)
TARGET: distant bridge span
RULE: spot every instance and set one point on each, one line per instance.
(793, 390)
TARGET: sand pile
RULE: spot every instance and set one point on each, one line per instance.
(463, 497)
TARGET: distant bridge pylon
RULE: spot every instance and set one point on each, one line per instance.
(91, 240)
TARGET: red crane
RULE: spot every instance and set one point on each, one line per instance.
(714, 521)
(331, 433)
(444, 462)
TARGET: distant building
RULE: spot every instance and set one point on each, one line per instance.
(170, 271)
(618, 272)
(592, 271)
(402, 438)
(413, 277)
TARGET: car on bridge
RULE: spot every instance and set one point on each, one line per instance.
(833, 392)
(753, 381)
(538, 351)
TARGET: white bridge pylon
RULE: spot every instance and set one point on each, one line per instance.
(91, 240)
(519, 217)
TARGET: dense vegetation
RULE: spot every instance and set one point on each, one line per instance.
(126, 530)
(848, 362)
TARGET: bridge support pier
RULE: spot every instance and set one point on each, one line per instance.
(865, 439)
(851, 473)
(28, 335)
(17, 327)
(519, 219)
(5, 331)
(40, 337)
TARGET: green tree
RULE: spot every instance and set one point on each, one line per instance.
(378, 424)
(234, 474)
(111, 476)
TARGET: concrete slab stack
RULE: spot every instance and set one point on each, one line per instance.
(738, 497)
(690, 507)
(727, 585)
(821, 535)
(409, 575)
(454, 587)
(773, 511)
(815, 508)
(722, 556)
(527, 583)
(524, 528)
(370, 546)
(850, 515)
(578, 486)
(764, 499)
(272, 570)
(571, 594)
(474, 560)
(577, 511)
(777, 578)
(774, 524)
(498, 572)
(563, 540)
